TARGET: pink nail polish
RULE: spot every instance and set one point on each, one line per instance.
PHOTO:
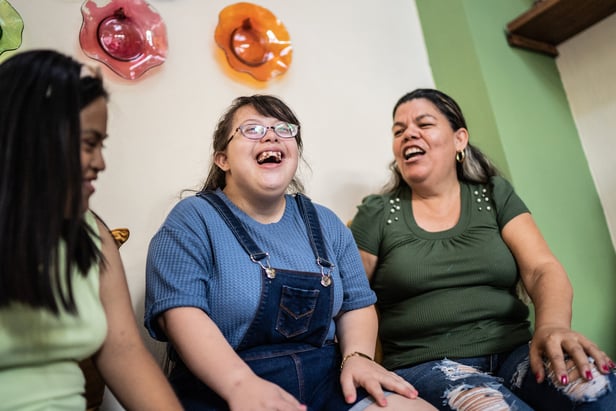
(612, 365)
(564, 380)
(605, 368)
(537, 377)
(588, 375)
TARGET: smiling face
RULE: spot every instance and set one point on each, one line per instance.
(93, 119)
(424, 143)
(262, 167)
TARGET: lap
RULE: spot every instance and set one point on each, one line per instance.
(475, 383)
(463, 384)
(312, 376)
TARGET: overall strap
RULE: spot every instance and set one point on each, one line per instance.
(234, 224)
(311, 219)
(307, 211)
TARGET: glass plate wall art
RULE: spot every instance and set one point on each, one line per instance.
(11, 27)
(254, 40)
(129, 36)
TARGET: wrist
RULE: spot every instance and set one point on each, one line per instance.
(354, 354)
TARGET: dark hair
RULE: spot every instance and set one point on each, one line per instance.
(42, 223)
(265, 105)
(476, 167)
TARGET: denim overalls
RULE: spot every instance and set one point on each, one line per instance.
(286, 343)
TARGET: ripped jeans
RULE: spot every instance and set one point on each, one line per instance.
(502, 382)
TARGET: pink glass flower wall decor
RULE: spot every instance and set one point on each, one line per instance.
(129, 36)
(11, 27)
(254, 40)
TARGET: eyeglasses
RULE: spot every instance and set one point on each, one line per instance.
(258, 131)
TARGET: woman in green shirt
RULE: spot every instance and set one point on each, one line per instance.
(444, 246)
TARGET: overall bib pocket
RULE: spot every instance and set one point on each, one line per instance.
(295, 310)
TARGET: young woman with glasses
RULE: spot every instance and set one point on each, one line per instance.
(260, 292)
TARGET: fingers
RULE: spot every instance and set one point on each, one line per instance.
(399, 385)
(263, 395)
(375, 389)
(602, 361)
(348, 390)
(556, 362)
(536, 363)
(374, 380)
(579, 366)
(291, 403)
(567, 356)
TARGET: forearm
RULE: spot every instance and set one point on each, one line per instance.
(135, 378)
(124, 362)
(543, 275)
(357, 331)
(552, 295)
(205, 351)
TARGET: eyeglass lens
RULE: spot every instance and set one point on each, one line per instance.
(257, 131)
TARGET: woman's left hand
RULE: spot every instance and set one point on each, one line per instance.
(567, 354)
(362, 372)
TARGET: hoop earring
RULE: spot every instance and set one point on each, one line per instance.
(461, 156)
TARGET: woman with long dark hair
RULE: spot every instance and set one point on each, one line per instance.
(63, 291)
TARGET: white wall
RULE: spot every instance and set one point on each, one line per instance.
(351, 61)
(587, 65)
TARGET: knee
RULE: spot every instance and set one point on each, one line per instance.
(580, 389)
(455, 371)
(468, 397)
(481, 398)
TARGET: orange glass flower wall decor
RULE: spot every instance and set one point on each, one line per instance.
(254, 40)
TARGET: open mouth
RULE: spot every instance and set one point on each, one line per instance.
(269, 157)
(413, 152)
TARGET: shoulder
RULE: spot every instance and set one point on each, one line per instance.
(326, 215)
(507, 202)
(325, 212)
(502, 189)
(105, 241)
(97, 227)
(374, 205)
(376, 199)
(189, 204)
(187, 211)
(371, 211)
(500, 183)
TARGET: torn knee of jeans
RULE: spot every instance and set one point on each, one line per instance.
(482, 398)
(456, 371)
(520, 373)
(580, 389)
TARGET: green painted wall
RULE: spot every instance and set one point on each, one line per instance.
(518, 114)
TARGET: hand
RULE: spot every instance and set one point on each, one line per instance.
(362, 372)
(257, 394)
(562, 348)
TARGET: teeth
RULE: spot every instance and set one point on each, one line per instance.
(270, 157)
(412, 150)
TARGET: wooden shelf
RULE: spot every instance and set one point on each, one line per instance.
(550, 22)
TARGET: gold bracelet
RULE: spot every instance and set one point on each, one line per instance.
(354, 354)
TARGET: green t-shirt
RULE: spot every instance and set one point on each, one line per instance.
(444, 294)
(39, 350)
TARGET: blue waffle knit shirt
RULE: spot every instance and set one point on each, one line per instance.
(194, 260)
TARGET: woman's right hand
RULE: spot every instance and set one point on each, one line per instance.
(256, 394)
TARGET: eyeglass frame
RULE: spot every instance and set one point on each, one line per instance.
(296, 127)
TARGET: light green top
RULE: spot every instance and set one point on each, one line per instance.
(39, 350)
(444, 294)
